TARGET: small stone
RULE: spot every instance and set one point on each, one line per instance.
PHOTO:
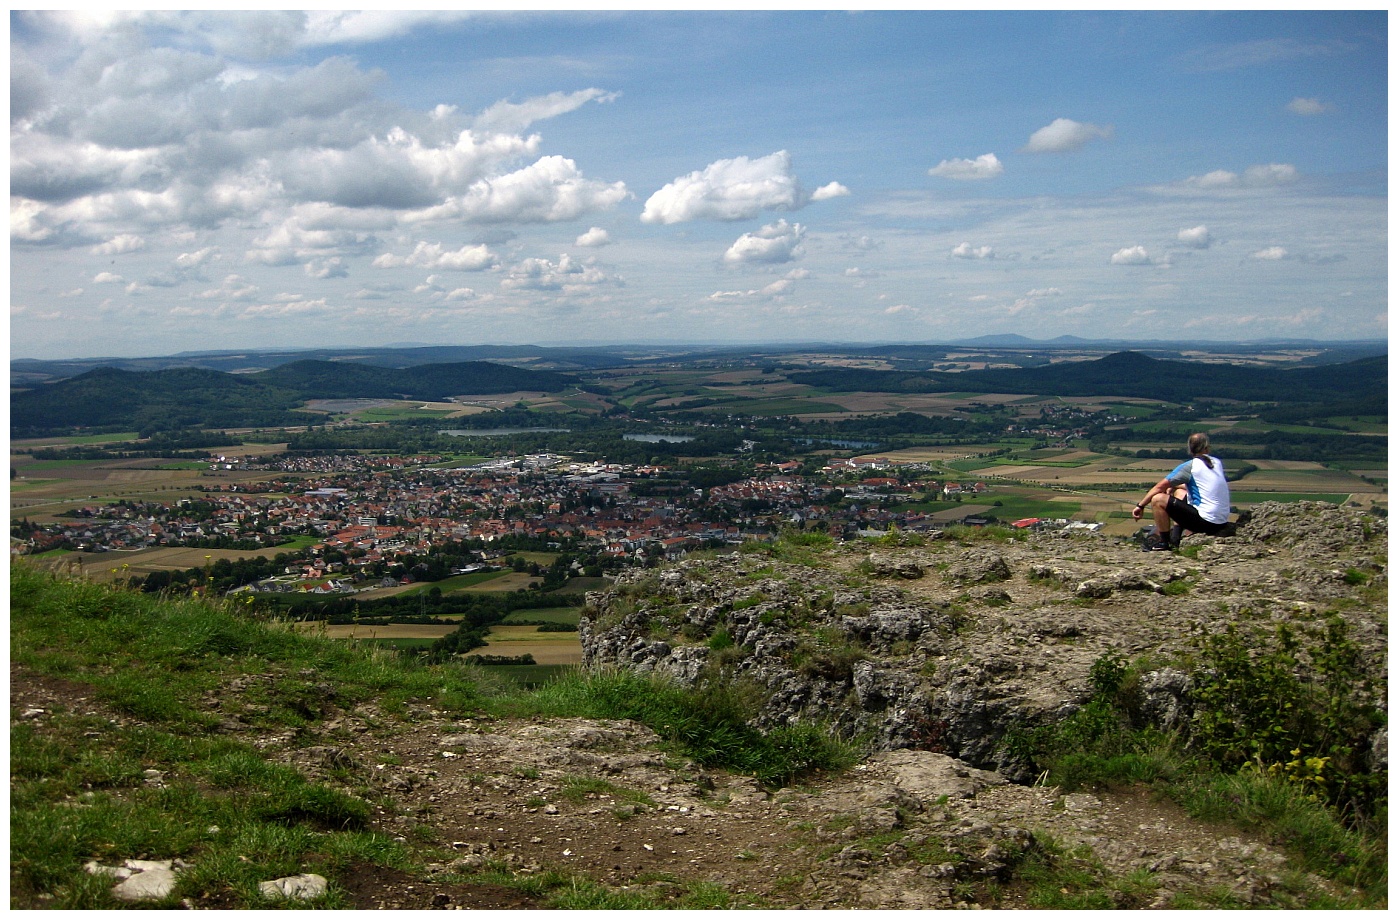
(146, 885)
(302, 887)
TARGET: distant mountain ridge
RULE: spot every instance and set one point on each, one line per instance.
(1127, 374)
(189, 397)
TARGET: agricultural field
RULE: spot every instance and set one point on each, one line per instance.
(123, 565)
(548, 648)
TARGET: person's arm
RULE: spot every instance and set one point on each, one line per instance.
(1161, 486)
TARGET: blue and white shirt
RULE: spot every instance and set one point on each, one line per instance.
(1208, 489)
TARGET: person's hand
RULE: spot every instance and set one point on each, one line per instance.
(1136, 513)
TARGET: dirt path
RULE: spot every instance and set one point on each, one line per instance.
(905, 829)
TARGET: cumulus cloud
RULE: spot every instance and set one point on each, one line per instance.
(107, 278)
(551, 189)
(120, 244)
(1131, 255)
(436, 256)
(736, 189)
(595, 236)
(828, 191)
(326, 268)
(189, 260)
(234, 288)
(985, 166)
(125, 138)
(1303, 106)
(1262, 176)
(774, 243)
(1195, 237)
(1271, 254)
(568, 275)
(1063, 134)
(967, 251)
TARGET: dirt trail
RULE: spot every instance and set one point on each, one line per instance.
(905, 829)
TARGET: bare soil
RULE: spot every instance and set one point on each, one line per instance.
(603, 800)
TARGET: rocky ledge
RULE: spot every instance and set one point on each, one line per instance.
(961, 642)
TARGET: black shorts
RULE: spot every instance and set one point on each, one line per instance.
(1188, 517)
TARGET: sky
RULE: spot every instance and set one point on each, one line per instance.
(190, 181)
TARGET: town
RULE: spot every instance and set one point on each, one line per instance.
(352, 522)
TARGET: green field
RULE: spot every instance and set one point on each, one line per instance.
(60, 464)
(300, 541)
(1253, 498)
(110, 438)
(568, 615)
(456, 583)
(392, 414)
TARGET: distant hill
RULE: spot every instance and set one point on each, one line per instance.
(1129, 374)
(342, 380)
(188, 397)
(29, 372)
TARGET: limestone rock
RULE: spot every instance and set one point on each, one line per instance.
(304, 887)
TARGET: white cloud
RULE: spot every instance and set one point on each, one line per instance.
(567, 275)
(1271, 254)
(435, 256)
(1132, 255)
(900, 309)
(120, 244)
(511, 116)
(234, 287)
(985, 166)
(189, 260)
(551, 189)
(1195, 237)
(967, 251)
(334, 27)
(1303, 106)
(774, 243)
(1263, 176)
(1064, 134)
(595, 236)
(736, 189)
(828, 191)
(326, 268)
(107, 278)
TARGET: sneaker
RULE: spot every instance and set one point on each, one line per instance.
(1155, 543)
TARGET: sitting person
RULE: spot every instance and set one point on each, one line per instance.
(1194, 496)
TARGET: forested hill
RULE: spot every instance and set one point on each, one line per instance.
(1130, 374)
(340, 380)
(188, 397)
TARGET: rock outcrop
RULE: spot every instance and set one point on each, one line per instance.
(958, 646)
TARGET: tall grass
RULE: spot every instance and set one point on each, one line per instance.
(708, 723)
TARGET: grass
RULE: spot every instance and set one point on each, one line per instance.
(709, 724)
(80, 789)
(565, 615)
(455, 583)
(1253, 498)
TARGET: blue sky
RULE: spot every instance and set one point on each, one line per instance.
(196, 181)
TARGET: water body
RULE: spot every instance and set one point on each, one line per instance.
(497, 432)
(658, 438)
(849, 445)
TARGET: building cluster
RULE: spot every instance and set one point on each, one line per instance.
(370, 510)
